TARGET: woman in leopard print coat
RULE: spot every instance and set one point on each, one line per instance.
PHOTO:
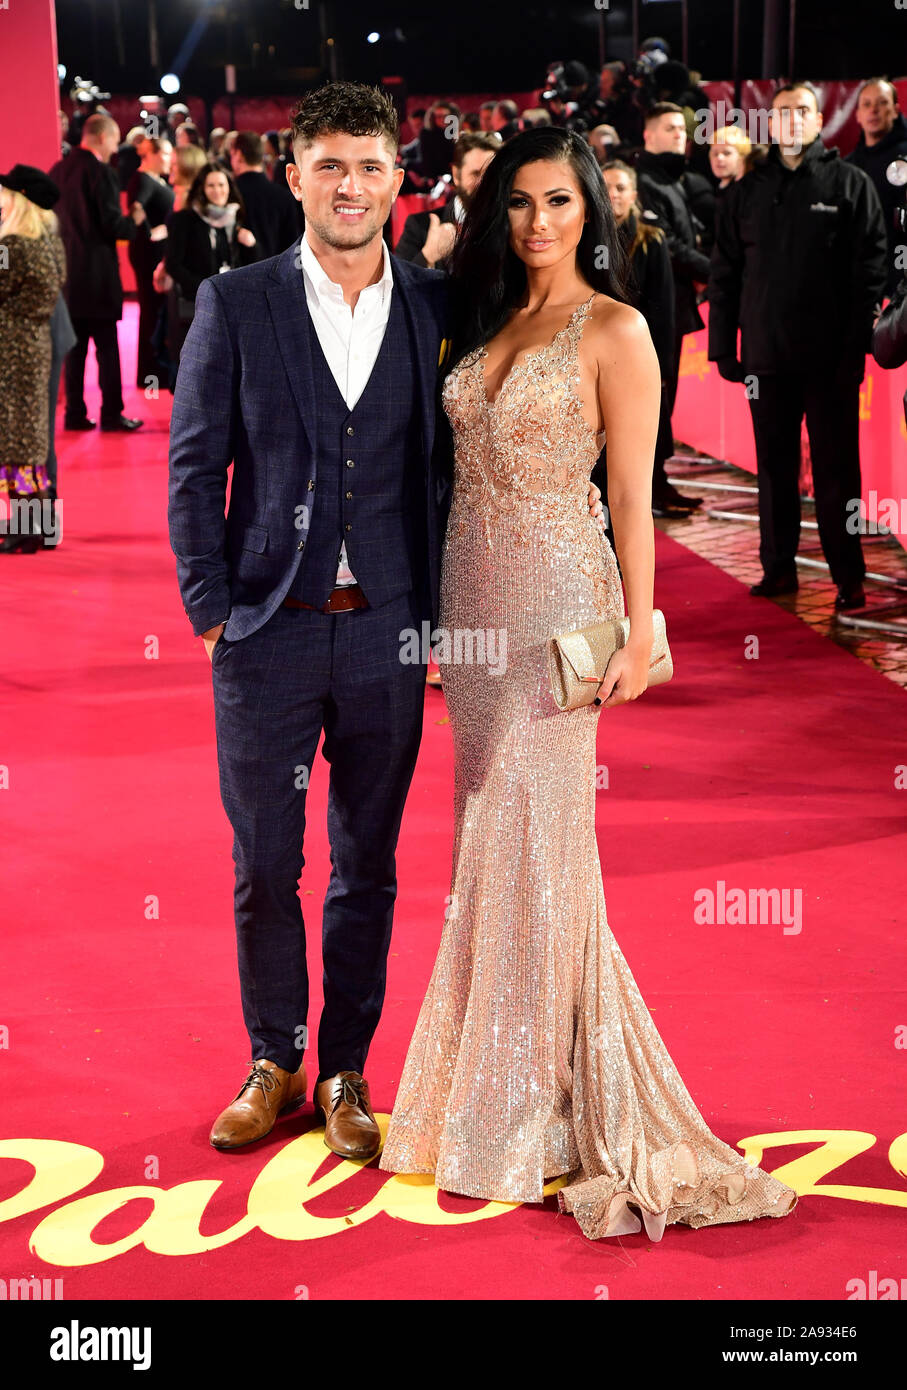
(32, 270)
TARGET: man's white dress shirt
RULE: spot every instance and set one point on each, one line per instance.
(349, 340)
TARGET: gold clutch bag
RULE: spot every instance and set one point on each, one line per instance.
(578, 660)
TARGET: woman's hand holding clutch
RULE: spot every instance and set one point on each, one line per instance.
(627, 675)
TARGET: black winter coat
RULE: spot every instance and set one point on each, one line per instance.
(874, 160)
(91, 223)
(652, 288)
(157, 200)
(272, 213)
(683, 205)
(190, 257)
(799, 265)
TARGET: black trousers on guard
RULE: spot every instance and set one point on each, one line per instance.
(832, 410)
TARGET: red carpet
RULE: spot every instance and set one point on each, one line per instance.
(119, 987)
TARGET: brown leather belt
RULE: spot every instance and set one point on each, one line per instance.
(340, 601)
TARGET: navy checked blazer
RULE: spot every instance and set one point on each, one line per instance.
(245, 395)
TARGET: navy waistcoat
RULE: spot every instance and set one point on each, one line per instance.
(371, 489)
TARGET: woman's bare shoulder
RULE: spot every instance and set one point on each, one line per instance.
(615, 316)
(617, 328)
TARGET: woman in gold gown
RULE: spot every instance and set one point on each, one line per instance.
(534, 1055)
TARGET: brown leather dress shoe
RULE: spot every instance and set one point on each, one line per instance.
(267, 1092)
(350, 1128)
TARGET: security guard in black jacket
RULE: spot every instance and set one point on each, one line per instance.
(799, 266)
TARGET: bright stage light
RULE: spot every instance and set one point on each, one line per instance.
(61, 71)
(373, 37)
(170, 83)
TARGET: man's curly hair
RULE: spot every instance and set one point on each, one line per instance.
(348, 108)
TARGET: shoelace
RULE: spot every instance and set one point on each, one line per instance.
(350, 1092)
(265, 1081)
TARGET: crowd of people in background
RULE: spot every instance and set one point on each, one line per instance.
(798, 257)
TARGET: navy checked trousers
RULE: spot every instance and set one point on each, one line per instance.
(274, 692)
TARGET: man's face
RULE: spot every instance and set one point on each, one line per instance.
(606, 84)
(466, 177)
(667, 134)
(795, 121)
(876, 110)
(486, 118)
(346, 185)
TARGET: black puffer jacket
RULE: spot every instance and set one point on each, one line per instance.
(799, 265)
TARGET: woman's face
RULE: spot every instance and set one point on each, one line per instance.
(547, 212)
(621, 192)
(217, 190)
(725, 161)
(6, 199)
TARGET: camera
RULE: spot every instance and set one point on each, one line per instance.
(896, 173)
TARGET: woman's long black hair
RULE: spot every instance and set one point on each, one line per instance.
(487, 277)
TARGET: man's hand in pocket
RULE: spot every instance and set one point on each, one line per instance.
(211, 636)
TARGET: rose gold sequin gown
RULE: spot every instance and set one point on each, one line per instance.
(534, 1054)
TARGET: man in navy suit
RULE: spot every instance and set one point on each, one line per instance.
(314, 373)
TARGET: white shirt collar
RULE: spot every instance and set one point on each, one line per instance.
(326, 288)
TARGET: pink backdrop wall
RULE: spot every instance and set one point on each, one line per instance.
(29, 91)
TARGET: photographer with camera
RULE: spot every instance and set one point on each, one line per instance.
(570, 96)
